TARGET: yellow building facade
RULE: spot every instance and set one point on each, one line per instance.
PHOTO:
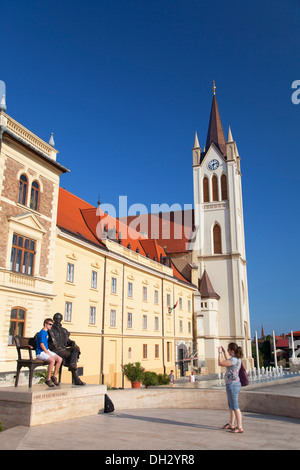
(115, 294)
(117, 305)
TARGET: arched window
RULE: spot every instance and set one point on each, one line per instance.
(17, 323)
(224, 188)
(34, 196)
(205, 189)
(23, 183)
(217, 239)
(215, 188)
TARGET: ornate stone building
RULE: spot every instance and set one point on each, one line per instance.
(29, 183)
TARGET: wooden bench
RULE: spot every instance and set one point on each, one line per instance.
(23, 344)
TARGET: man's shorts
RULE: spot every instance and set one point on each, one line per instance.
(44, 357)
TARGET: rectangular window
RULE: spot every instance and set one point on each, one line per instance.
(156, 296)
(130, 289)
(180, 326)
(168, 300)
(144, 293)
(68, 311)
(189, 305)
(92, 315)
(180, 303)
(94, 279)
(145, 351)
(113, 285)
(70, 272)
(168, 351)
(144, 322)
(129, 320)
(112, 318)
(156, 323)
(156, 351)
(189, 327)
(22, 255)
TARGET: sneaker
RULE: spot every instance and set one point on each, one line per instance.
(49, 383)
(55, 381)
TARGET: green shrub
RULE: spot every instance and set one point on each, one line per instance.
(150, 378)
(163, 379)
(42, 375)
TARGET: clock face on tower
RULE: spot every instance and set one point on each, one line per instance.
(213, 164)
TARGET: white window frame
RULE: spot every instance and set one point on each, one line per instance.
(94, 280)
(68, 311)
(113, 285)
(92, 320)
(113, 318)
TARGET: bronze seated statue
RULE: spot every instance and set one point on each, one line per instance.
(60, 343)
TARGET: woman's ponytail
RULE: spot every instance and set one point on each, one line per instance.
(238, 352)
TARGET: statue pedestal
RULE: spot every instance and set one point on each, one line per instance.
(22, 406)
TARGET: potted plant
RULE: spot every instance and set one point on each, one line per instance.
(150, 378)
(134, 372)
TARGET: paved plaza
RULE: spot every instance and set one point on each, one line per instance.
(161, 429)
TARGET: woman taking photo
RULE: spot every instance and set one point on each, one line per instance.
(232, 360)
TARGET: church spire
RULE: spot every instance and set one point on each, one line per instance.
(215, 132)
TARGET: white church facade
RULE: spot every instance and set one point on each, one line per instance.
(210, 252)
(219, 258)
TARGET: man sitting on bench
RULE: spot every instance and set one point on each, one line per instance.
(43, 353)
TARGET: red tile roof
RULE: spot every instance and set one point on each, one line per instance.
(295, 333)
(171, 230)
(282, 343)
(69, 216)
(80, 218)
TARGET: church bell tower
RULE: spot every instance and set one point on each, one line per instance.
(219, 245)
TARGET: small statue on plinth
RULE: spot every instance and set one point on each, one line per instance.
(60, 343)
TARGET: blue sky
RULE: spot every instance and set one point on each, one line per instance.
(124, 85)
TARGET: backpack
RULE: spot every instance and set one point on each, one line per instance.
(108, 405)
(243, 376)
(32, 341)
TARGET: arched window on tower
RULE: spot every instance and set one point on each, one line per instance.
(217, 242)
(23, 184)
(205, 189)
(224, 187)
(215, 188)
(34, 196)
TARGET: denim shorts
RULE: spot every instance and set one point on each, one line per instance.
(233, 390)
